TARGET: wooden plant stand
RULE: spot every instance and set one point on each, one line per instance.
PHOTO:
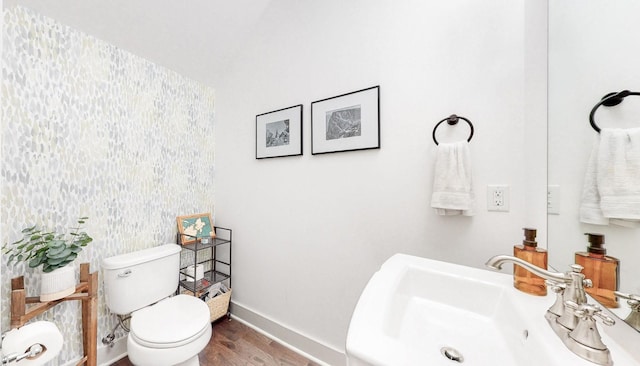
(86, 291)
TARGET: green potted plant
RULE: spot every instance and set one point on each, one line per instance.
(52, 252)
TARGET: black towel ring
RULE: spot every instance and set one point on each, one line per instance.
(452, 120)
(609, 100)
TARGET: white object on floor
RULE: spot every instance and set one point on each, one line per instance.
(18, 341)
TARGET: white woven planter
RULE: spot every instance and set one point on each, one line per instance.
(58, 283)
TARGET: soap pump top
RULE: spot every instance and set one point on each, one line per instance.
(596, 245)
(529, 241)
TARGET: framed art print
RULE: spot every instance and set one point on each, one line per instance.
(279, 133)
(346, 122)
(195, 226)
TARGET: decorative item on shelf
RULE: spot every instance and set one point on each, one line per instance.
(346, 122)
(53, 251)
(194, 227)
(279, 133)
(218, 300)
(194, 273)
(24, 309)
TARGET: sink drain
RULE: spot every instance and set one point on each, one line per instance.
(452, 354)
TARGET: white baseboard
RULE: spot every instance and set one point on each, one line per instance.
(294, 340)
(107, 355)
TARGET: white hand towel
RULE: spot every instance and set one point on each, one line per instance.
(590, 212)
(452, 185)
(611, 194)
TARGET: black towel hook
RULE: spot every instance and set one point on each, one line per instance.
(452, 120)
(609, 100)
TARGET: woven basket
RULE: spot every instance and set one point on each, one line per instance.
(219, 305)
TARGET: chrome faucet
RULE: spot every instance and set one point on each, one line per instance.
(633, 319)
(570, 317)
(572, 284)
(497, 261)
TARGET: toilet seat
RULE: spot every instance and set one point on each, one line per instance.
(170, 323)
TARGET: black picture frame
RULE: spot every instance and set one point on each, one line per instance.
(347, 122)
(279, 133)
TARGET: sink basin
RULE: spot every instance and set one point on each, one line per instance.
(417, 311)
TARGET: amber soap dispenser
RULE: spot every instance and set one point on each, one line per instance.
(524, 280)
(601, 269)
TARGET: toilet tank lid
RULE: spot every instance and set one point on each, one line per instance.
(140, 256)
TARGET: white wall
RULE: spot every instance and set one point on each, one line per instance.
(310, 230)
(593, 50)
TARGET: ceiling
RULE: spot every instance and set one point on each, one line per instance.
(196, 38)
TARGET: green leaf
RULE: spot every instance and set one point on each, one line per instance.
(55, 250)
(33, 263)
(54, 261)
(29, 229)
(17, 242)
(59, 254)
(67, 261)
(58, 243)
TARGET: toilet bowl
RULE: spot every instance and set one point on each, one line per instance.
(164, 330)
(169, 333)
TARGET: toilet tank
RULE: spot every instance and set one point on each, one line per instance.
(138, 279)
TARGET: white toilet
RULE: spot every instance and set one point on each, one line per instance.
(164, 331)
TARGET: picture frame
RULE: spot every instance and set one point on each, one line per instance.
(346, 122)
(279, 133)
(192, 227)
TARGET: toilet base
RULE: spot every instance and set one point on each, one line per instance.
(193, 361)
(145, 356)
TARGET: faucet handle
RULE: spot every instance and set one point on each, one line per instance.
(555, 286)
(627, 296)
(558, 288)
(576, 268)
(633, 319)
(588, 311)
(606, 319)
(632, 300)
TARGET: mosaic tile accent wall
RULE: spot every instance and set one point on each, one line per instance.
(91, 130)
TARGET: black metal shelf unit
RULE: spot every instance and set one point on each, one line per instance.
(213, 254)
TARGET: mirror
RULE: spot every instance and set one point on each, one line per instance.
(593, 50)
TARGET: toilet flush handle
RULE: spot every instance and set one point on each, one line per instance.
(125, 273)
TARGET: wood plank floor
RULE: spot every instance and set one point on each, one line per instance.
(235, 344)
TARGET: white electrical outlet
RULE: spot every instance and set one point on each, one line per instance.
(498, 198)
(553, 199)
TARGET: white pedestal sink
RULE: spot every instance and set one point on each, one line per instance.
(417, 311)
